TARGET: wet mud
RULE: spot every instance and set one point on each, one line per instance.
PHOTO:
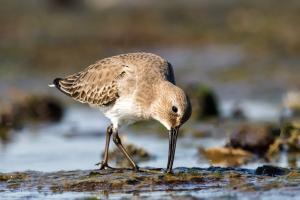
(264, 178)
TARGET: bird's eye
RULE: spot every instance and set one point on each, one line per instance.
(174, 109)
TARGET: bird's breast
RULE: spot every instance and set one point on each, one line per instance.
(124, 111)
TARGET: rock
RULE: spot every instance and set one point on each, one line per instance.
(288, 142)
(268, 170)
(18, 176)
(256, 139)
(43, 108)
(204, 101)
(226, 157)
(290, 137)
(30, 109)
(293, 142)
(138, 154)
(274, 148)
(292, 159)
(127, 181)
(11, 117)
(8, 121)
(4, 134)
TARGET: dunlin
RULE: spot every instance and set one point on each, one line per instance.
(129, 88)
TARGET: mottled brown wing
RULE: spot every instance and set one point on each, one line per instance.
(97, 85)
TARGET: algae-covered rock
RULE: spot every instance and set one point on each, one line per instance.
(274, 148)
(226, 156)
(6, 124)
(256, 139)
(43, 108)
(4, 134)
(271, 170)
(12, 176)
(31, 109)
(290, 136)
(127, 181)
(204, 101)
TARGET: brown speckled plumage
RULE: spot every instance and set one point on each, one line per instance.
(128, 88)
(103, 82)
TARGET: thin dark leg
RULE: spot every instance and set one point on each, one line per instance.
(118, 142)
(103, 164)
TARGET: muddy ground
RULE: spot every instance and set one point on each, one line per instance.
(213, 180)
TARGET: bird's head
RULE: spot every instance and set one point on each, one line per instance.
(172, 106)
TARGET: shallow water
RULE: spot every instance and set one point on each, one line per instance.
(201, 194)
(78, 141)
(254, 110)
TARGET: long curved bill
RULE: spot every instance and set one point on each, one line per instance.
(172, 146)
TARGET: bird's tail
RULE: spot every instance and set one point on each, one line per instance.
(57, 83)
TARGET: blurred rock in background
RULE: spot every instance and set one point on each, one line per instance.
(204, 101)
(255, 139)
(226, 157)
(28, 110)
(291, 106)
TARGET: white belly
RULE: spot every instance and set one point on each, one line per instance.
(123, 112)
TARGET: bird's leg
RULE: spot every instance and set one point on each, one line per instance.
(103, 164)
(118, 142)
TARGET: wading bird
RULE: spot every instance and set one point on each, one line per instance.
(129, 88)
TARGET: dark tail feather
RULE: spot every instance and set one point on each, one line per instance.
(56, 83)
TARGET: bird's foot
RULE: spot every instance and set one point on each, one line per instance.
(136, 168)
(168, 171)
(103, 165)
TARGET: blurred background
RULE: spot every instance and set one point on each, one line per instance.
(238, 60)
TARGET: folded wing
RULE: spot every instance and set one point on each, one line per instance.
(97, 85)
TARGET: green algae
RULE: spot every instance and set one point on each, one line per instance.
(18, 176)
(125, 180)
(271, 170)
